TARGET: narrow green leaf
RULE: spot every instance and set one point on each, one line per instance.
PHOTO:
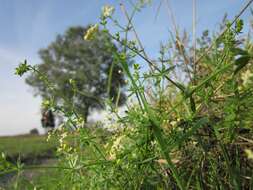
(110, 80)
(241, 62)
(193, 106)
(239, 51)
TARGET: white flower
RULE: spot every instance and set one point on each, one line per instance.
(121, 144)
(173, 123)
(249, 154)
(247, 78)
(3, 156)
(107, 11)
(63, 135)
(49, 137)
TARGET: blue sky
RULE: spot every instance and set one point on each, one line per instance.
(28, 25)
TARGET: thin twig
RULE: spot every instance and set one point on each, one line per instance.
(148, 61)
(194, 35)
(158, 10)
(245, 139)
(144, 56)
(178, 42)
(135, 33)
(224, 31)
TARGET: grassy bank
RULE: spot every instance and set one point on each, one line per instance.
(27, 147)
(31, 150)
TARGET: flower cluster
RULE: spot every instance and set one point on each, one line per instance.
(22, 68)
(64, 146)
(46, 104)
(91, 33)
(121, 144)
(174, 123)
(249, 154)
(49, 136)
(247, 78)
(107, 11)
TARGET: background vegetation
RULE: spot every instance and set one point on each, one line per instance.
(188, 123)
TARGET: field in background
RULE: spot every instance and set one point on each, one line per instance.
(31, 150)
(28, 148)
(35, 151)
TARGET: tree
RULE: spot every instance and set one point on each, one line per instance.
(72, 62)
